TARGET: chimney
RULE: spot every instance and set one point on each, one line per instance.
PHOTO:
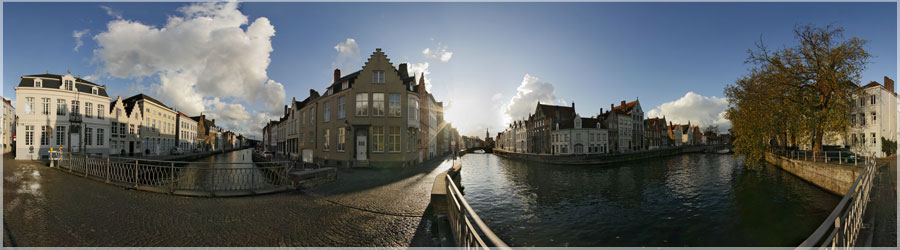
(623, 103)
(573, 105)
(601, 111)
(889, 84)
(285, 109)
(403, 72)
(337, 75)
(611, 107)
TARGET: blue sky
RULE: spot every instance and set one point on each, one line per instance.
(593, 54)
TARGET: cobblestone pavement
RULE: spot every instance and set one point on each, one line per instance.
(885, 205)
(364, 207)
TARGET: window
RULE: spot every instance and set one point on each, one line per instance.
(873, 99)
(853, 119)
(309, 136)
(327, 114)
(88, 108)
(862, 102)
(45, 106)
(325, 140)
(873, 139)
(341, 139)
(394, 108)
(99, 137)
(94, 91)
(113, 127)
(394, 140)
(378, 138)
(378, 104)
(303, 117)
(88, 134)
(60, 135)
(45, 140)
(75, 109)
(29, 105)
(118, 113)
(70, 85)
(413, 108)
(131, 129)
(37, 83)
(100, 111)
(362, 104)
(60, 107)
(29, 134)
(378, 77)
(874, 117)
(862, 119)
(862, 139)
(342, 107)
(312, 116)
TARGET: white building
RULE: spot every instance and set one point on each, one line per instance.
(874, 117)
(126, 123)
(60, 111)
(158, 133)
(8, 126)
(186, 132)
(580, 136)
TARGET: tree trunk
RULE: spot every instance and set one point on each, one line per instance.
(817, 141)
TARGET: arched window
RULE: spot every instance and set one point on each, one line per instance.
(579, 148)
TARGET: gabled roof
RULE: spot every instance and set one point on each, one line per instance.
(627, 108)
(559, 113)
(142, 96)
(54, 81)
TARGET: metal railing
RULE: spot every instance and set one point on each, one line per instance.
(462, 217)
(175, 176)
(842, 227)
(832, 157)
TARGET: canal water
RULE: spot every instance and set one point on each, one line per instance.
(233, 170)
(692, 200)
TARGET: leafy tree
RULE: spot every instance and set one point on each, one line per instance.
(795, 94)
(888, 147)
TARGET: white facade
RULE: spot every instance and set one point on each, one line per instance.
(8, 126)
(874, 116)
(186, 133)
(580, 139)
(60, 111)
(158, 133)
(125, 129)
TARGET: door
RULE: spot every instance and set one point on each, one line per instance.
(75, 142)
(131, 148)
(361, 148)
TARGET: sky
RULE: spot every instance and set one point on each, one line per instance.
(490, 63)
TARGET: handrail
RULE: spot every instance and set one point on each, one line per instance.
(858, 191)
(458, 206)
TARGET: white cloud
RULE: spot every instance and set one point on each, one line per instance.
(348, 57)
(201, 58)
(77, 34)
(440, 53)
(697, 109)
(92, 78)
(417, 69)
(529, 93)
(111, 12)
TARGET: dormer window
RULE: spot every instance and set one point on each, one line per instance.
(70, 85)
(378, 77)
(94, 90)
(37, 83)
(345, 85)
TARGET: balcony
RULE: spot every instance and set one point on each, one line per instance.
(74, 117)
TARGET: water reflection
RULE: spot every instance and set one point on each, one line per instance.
(229, 171)
(684, 200)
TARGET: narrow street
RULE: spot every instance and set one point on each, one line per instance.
(885, 205)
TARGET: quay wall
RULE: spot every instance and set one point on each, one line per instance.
(593, 159)
(834, 178)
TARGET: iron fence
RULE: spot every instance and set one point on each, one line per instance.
(842, 227)
(179, 176)
(462, 217)
(832, 157)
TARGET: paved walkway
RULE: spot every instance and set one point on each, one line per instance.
(364, 207)
(885, 205)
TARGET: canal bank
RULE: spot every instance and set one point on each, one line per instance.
(596, 159)
(834, 178)
(693, 200)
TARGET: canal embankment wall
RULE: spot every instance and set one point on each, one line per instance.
(834, 178)
(594, 159)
